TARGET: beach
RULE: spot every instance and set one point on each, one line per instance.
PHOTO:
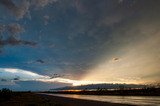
(34, 99)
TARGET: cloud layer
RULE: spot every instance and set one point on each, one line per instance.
(11, 76)
(86, 40)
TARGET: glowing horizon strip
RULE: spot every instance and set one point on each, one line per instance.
(31, 76)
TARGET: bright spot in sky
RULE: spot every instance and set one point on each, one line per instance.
(10, 70)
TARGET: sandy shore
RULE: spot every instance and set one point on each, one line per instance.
(34, 99)
(79, 102)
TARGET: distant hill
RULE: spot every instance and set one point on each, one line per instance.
(101, 86)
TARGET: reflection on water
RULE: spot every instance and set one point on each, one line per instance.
(136, 100)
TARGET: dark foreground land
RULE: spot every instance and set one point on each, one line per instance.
(34, 99)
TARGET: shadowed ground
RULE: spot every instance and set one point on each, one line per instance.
(32, 99)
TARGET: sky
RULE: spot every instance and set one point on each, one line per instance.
(47, 44)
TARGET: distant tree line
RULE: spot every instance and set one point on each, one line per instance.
(128, 92)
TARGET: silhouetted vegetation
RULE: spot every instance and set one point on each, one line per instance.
(27, 98)
(102, 86)
(111, 89)
(5, 94)
(122, 91)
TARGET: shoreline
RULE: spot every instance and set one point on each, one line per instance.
(66, 101)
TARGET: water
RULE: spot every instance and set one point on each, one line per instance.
(135, 100)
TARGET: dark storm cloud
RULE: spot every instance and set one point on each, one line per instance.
(9, 4)
(2, 29)
(42, 3)
(105, 27)
(88, 31)
(56, 76)
(40, 61)
(17, 78)
(15, 28)
(12, 29)
(18, 11)
(4, 80)
(23, 8)
(13, 41)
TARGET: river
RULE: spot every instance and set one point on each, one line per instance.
(135, 100)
